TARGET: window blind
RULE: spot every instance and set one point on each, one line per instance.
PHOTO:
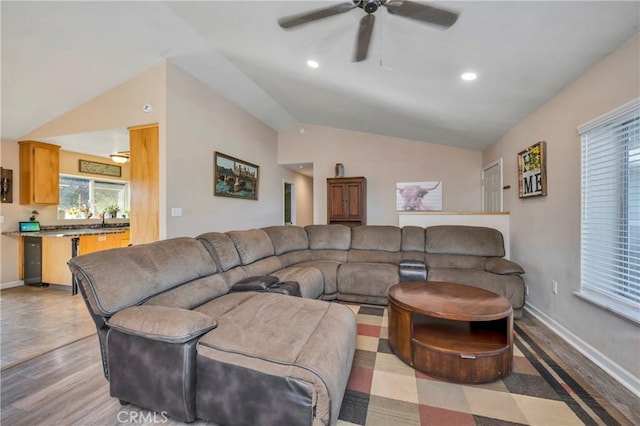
(610, 228)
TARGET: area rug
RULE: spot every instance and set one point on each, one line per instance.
(382, 390)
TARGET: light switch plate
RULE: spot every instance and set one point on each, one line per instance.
(176, 211)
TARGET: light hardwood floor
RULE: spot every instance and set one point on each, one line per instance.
(35, 320)
(66, 385)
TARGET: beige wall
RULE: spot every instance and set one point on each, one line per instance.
(12, 213)
(200, 122)
(384, 161)
(545, 231)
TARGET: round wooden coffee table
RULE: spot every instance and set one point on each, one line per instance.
(451, 331)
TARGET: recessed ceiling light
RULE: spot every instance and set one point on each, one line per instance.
(312, 63)
(469, 76)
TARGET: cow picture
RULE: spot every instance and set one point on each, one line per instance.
(419, 196)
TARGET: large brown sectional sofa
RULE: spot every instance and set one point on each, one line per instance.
(175, 339)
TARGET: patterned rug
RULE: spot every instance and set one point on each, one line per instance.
(382, 390)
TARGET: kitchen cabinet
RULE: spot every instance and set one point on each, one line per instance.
(125, 238)
(56, 252)
(39, 171)
(91, 243)
(347, 201)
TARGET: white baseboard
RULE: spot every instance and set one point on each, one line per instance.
(11, 284)
(621, 375)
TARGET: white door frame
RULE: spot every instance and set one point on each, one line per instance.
(484, 169)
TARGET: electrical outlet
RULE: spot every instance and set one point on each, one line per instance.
(554, 286)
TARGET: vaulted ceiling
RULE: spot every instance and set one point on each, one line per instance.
(59, 55)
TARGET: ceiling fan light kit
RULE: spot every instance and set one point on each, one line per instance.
(120, 157)
(407, 9)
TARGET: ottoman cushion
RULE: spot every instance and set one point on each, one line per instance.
(284, 357)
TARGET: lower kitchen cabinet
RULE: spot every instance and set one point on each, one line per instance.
(91, 243)
(56, 252)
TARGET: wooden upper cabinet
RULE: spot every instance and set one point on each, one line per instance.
(347, 201)
(39, 173)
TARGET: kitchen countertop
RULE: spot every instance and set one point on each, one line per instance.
(70, 232)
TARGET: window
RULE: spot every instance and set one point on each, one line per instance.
(610, 246)
(82, 198)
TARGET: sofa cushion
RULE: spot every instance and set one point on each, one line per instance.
(191, 294)
(117, 278)
(453, 261)
(171, 325)
(329, 269)
(373, 256)
(367, 279)
(287, 238)
(376, 237)
(252, 245)
(413, 238)
(509, 286)
(465, 240)
(221, 248)
(263, 266)
(331, 237)
(310, 279)
(501, 266)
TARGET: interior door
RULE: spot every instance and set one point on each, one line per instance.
(492, 187)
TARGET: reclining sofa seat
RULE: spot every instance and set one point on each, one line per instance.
(474, 256)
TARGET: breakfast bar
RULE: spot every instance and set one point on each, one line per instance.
(43, 254)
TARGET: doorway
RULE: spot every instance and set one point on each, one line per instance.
(289, 190)
(492, 187)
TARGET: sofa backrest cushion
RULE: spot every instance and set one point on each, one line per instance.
(454, 261)
(329, 237)
(286, 238)
(413, 238)
(221, 249)
(191, 294)
(118, 278)
(252, 245)
(376, 237)
(465, 240)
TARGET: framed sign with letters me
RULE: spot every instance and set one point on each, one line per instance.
(532, 171)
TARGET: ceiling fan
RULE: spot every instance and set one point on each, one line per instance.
(408, 9)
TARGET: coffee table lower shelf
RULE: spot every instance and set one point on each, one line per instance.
(461, 351)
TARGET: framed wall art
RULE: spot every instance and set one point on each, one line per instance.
(235, 178)
(532, 171)
(86, 166)
(418, 196)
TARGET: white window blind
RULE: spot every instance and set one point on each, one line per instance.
(610, 244)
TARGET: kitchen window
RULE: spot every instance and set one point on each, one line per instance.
(610, 243)
(86, 198)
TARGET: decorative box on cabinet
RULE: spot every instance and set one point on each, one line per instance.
(39, 170)
(347, 201)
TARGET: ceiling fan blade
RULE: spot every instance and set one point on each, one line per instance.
(314, 15)
(364, 37)
(421, 12)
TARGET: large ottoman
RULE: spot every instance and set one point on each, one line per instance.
(274, 360)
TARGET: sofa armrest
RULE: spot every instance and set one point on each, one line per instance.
(165, 324)
(501, 266)
(255, 283)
